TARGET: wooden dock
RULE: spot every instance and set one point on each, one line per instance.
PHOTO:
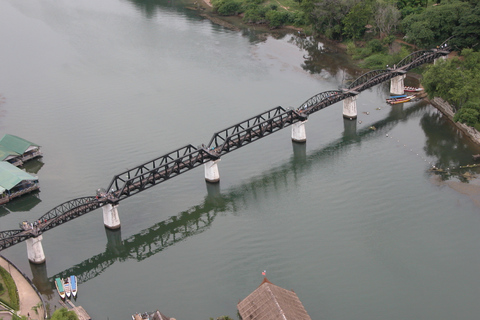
(79, 311)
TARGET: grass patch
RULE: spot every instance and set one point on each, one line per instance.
(10, 294)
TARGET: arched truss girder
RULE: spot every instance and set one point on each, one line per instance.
(367, 77)
(72, 205)
(318, 99)
(412, 57)
(11, 237)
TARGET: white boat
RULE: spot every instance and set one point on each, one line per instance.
(66, 287)
(59, 286)
(73, 285)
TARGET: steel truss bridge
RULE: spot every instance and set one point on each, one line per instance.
(199, 218)
(172, 164)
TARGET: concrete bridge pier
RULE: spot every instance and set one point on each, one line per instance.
(111, 220)
(442, 58)
(298, 132)
(350, 108)
(35, 250)
(211, 171)
(397, 86)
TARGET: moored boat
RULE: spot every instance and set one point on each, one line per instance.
(397, 97)
(412, 89)
(73, 285)
(66, 287)
(59, 286)
(400, 100)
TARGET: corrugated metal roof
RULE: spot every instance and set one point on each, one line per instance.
(10, 175)
(16, 144)
(5, 153)
(270, 302)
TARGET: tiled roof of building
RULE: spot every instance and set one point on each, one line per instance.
(270, 302)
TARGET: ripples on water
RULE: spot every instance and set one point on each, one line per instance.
(350, 221)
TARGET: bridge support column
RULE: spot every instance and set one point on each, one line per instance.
(397, 86)
(298, 132)
(442, 58)
(35, 250)
(111, 220)
(211, 171)
(350, 108)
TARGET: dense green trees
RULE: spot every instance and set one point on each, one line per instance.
(457, 80)
(64, 314)
(437, 23)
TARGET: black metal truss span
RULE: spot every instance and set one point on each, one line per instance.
(188, 157)
(156, 171)
(252, 129)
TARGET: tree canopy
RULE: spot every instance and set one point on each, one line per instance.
(457, 80)
(64, 314)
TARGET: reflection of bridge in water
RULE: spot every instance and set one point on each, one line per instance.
(168, 166)
(199, 218)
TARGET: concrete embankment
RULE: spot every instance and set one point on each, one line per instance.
(448, 111)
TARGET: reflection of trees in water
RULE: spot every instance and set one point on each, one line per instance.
(451, 149)
(150, 7)
(324, 57)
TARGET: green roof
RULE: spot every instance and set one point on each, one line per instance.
(10, 175)
(16, 144)
(5, 152)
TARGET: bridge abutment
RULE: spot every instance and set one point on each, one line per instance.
(111, 220)
(397, 85)
(212, 174)
(298, 132)
(35, 250)
(350, 108)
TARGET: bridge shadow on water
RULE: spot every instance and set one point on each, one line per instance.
(199, 218)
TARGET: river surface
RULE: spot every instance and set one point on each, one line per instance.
(353, 221)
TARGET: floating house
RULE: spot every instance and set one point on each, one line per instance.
(15, 182)
(16, 150)
(270, 302)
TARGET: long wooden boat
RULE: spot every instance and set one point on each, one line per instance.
(412, 89)
(59, 286)
(400, 100)
(73, 285)
(66, 287)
